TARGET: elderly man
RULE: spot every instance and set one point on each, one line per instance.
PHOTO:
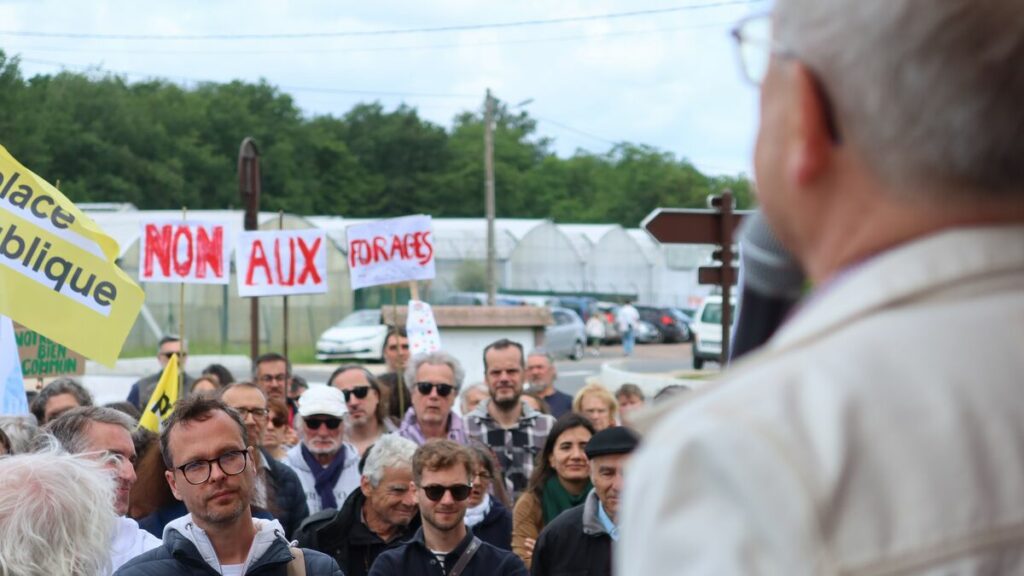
(514, 430)
(210, 468)
(366, 421)
(55, 514)
(327, 465)
(866, 436)
(378, 516)
(106, 435)
(278, 488)
(58, 397)
(443, 473)
(168, 346)
(434, 380)
(541, 374)
(579, 540)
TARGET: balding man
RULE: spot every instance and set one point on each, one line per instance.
(879, 430)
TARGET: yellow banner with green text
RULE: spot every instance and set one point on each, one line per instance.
(58, 270)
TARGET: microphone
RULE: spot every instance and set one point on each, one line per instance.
(771, 282)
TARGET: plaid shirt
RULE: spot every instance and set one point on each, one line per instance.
(516, 448)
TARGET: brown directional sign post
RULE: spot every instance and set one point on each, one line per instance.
(715, 226)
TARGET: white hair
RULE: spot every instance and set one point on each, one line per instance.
(21, 431)
(56, 514)
(438, 358)
(390, 451)
(928, 92)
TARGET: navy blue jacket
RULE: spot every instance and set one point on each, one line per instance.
(496, 527)
(413, 558)
(288, 495)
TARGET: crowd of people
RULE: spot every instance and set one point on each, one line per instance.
(253, 475)
(878, 430)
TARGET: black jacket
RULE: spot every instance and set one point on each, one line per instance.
(574, 543)
(343, 535)
(496, 527)
(290, 499)
(414, 559)
(179, 556)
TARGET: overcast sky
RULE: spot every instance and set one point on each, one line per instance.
(596, 74)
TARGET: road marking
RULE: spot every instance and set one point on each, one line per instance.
(576, 372)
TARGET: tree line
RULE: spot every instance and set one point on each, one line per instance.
(162, 146)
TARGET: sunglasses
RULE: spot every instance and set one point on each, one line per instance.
(459, 491)
(443, 390)
(316, 423)
(359, 392)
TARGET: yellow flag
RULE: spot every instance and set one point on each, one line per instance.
(161, 402)
(58, 270)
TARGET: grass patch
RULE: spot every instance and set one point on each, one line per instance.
(297, 354)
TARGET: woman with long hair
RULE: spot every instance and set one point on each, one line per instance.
(560, 480)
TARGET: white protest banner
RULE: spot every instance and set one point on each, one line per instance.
(281, 262)
(190, 252)
(390, 251)
(422, 329)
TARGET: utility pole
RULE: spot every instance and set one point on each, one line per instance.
(492, 283)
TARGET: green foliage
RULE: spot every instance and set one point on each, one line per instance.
(471, 276)
(161, 146)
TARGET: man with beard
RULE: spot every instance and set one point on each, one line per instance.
(209, 467)
(366, 421)
(106, 434)
(278, 489)
(541, 373)
(378, 516)
(327, 465)
(514, 430)
(442, 472)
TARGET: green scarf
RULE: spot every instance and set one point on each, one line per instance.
(556, 499)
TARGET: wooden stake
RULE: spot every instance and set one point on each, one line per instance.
(181, 325)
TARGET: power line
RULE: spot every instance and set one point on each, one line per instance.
(389, 32)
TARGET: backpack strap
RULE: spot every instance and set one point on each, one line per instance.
(466, 556)
(297, 567)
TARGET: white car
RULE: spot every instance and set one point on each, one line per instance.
(360, 335)
(707, 331)
(567, 337)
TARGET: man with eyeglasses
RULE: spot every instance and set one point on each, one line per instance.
(380, 515)
(366, 421)
(168, 346)
(210, 469)
(443, 472)
(278, 489)
(512, 429)
(434, 380)
(326, 465)
(878, 431)
(106, 435)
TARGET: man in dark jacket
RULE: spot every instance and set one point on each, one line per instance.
(443, 472)
(380, 515)
(168, 346)
(210, 469)
(580, 539)
(278, 488)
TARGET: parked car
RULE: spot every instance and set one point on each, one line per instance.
(608, 312)
(671, 327)
(646, 333)
(360, 335)
(707, 331)
(567, 336)
(480, 299)
(582, 305)
(685, 319)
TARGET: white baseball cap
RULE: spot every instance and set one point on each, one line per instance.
(326, 400)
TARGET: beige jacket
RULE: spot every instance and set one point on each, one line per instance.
(881, 431)
(527, 522)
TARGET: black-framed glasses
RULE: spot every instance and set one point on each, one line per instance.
(231, 463)
(443, 390)
(313, 423)
(359, 392)
(256, 412)
(267, 378)
(436, 491)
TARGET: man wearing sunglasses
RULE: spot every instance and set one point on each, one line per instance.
(278, 489)
(210, 469)
(434, 380)
(879, 430)
(327, 465)
(443, 473)
(366, 420)
(168, 346)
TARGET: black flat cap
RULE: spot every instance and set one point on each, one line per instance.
(615, 440)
